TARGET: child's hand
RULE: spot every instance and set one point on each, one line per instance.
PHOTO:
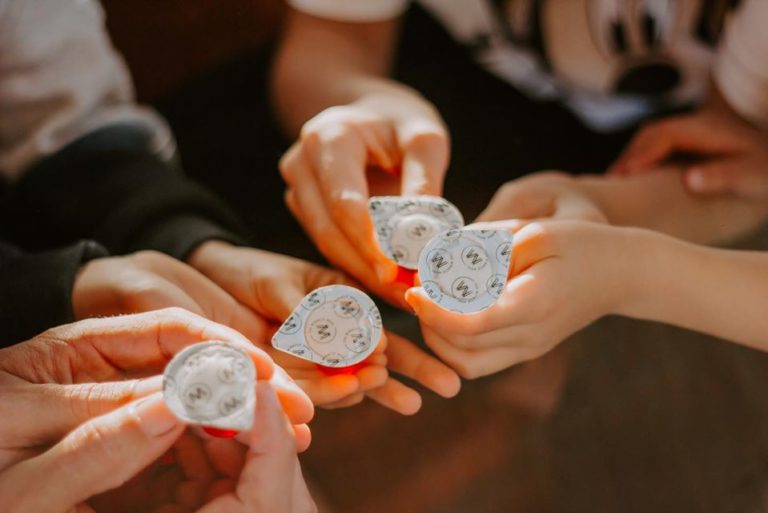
(547, 194)
(730, 156)
(565, 275)
(273, 285)
(386, 144)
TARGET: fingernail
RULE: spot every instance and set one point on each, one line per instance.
(146, 386)
(412, 302)
(154, 416)
(696, 179)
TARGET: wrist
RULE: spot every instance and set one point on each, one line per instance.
(646, 272)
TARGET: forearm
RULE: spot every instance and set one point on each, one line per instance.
(719, 292)
(109, 188)
(322, 63)
(660, 202)
(36, 292)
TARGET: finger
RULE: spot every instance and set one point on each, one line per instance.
(97, 456)
(372, 376)
(190, 454)
(474, 363)
(727, 176)
(271, 459)
(142, 343)
(338, 155)
(425, 159)
(381, 142)
(38, 414)
(303, 436)
(325, 390)
(518, 201)
(295, 402)
(523, 301)
(185, 287)
(397, 397)
(306, 203)
(407, 359)
(352, 400)
(227, 456)
(656, 142)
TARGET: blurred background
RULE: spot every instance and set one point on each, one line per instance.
(625, 417)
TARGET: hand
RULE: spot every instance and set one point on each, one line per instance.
(400, 139)
(547, 194)
(565, 275)
(148, 280)
(730, 157)
(273, 285)
(44, 399)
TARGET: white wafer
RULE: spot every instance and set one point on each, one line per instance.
(404, 224)
(211, 384)
(466, 270)
(334, 326)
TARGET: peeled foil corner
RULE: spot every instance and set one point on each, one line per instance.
(211, 384)
(334, 326)
(466, 270)
(404, 224)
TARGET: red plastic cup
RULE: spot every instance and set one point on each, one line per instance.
(220, 433)
(341, 371)
(406, 276)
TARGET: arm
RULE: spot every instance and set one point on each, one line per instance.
(719, 292)
(657, 201)
(660, 201)
(567, 274)
(322, 63)
(358, 133)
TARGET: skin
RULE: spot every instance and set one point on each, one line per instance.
(88, 416)
(253, 292)
(358, 134)
(564, 249)
(726, 152)
(273, 285)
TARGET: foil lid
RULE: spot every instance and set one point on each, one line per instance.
(404, 224)
(466, 270)
(334, 326)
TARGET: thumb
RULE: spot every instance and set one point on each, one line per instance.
(425, 157)
(271, 479)
(100, 455)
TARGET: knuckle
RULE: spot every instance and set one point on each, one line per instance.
(144, 293)
(539, 232)
(151, 256)
(432, 140)
(174, 315)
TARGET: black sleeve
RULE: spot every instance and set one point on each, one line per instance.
(36, 288)
(108, 186)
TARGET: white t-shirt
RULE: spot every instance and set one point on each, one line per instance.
(60, 78)
(612, 62)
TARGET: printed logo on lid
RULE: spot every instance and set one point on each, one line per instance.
(466, 270)
(342, 330)
(404, 224)
(211, 384)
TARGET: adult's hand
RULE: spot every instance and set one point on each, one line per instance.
(149, 280)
